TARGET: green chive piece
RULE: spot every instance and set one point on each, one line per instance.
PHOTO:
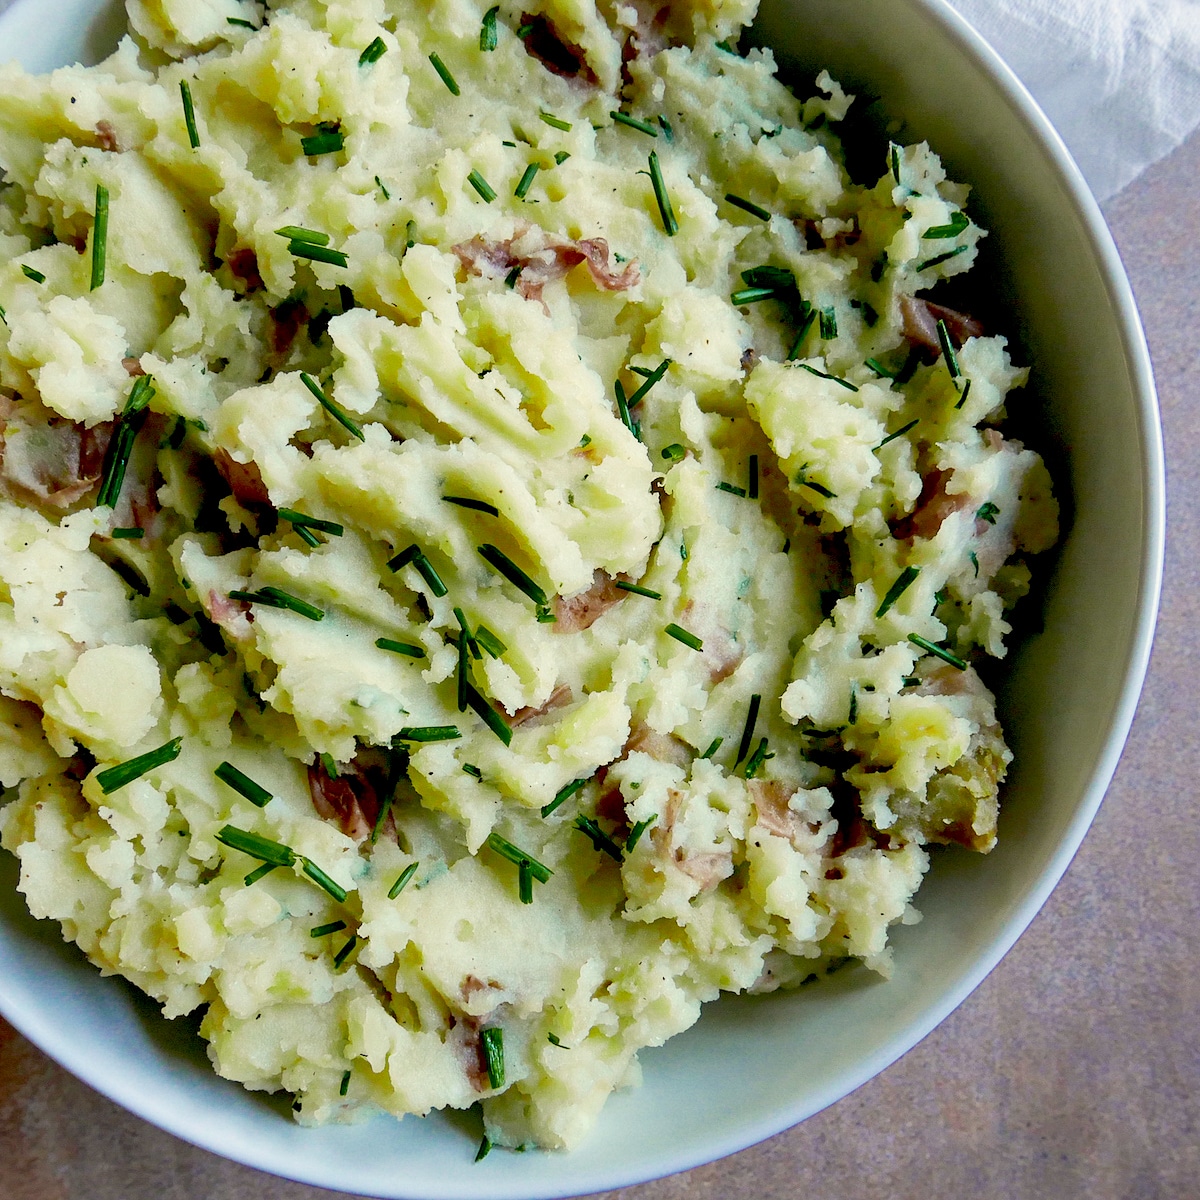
(344, 1086)
(334, 410)
(756, 760)
(510, 280)
(240, 22)
(524, 30)
(853, 716)
(563, 795)
(958, 222)
(491, 718)
(681, 635)
(327, 763)
(492, 1041)
(555, 122)
(561, 156)
(383, 188)
(988, 512)
(932, 648)
(444, 72)
(472, 769)
(732, 489)
(304, 520)
(325, 141)
(485, 1144)
(486, 192)
(674, 452)
(747, 206)
(255, 846)
(665, 126)
(463, 674)
(307, 536)
(315, 253)
(3, 317)
(140, 395)
(962, 399)
(825, 375)
(189, 114)
(468, 638)
(552, 1038)
(635, 834)
(373, 53)
(819, 488)
(623, 408)
(828, 323)
(645, 127)
(406, 648)
(748, 731)
(478, 505)
(260, 873)
(638, 590)
(713, 747)
(487, 31)
(903, 581)
(752, 477)
(428, 733)
(30, 273)
(496, 558)
(974, 562)
(651, 379)
(948, 350)
(322, 930)
(941, 258)
(404, 558)
(274, 597)
(345, 952)
(545, 615)
(242, 784)
(752, 295)
(99, 236)
(516, 856)
(894, 152)
(402, 880)
(522, 188)
(116, 777)
(891, 437)
(802, 332)
(297, 233)
(599, 839)
(525, 882)
(128, 532)
(670, 225)
(323, 881)
(489, 641)
(424, 567)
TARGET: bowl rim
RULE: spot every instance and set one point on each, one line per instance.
(58, 1045)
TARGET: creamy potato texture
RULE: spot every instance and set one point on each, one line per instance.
(577, 527)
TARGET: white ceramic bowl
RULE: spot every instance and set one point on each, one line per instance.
(754, 1066)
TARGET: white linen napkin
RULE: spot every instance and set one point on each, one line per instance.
(1120, 79)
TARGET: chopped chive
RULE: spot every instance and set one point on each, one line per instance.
(670, 225)
(958, 222)
(563, 795)
(492, 1041)
(328, 764)
(732, 489)
(802, 332)
(140, 395)
(644, 372)
(828, 323)
(623, 409)
(30, 273)
(373, 53)
(525, 882)
(468, 638)
(489, 641)
(3, 317)
(895, 157)
(526, 182)
(713, 747)
(948, 350)
(345, 952)
(825, 375)
(752, 477)
(496, 558)
(932, 648)
(524, 30)
(561, 156)
(491, 718)
(444, 73)
(428, 733)
(756, 760)
(635, 834)
(315, 253)
(552, 1038)
(545, 615)
(242, 784)
(334, 410)
(397, 769)
(941, 258)
(651, 379)
(752, 295)
(638, 590)
(297, 233)
(240, 22)
(99, 236)
(966, 391)
(323, 881)
(486, 191)
(852, 718)
(879, 369)
(645, 127)
(485, 1143)
(323, 930)
(344, 1086)
(259, 873)
(325, 141)
(600, 840)
(510, 280)
(516, 856)
(974, 562)
(402, 880)
(681, 635)
(487, 31)
(130, 532)
(274, 597)
(555, 122)
(429, 573)
(255, 846)
(988, 512)
(747, 206)
(405, 648)
(819, 488)
(116, 777)
(748, 730)
(903, 581)
(307, 536)
(383, 188)
(472, 769)
(891, 437)
(674, 452)
(478, 505)
(404, 558)
(189, 114)
(463, 674)
(303, 519)
(665, 125)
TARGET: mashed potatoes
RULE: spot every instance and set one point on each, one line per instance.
(493, 542)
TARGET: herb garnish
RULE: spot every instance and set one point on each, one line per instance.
(189, 114)
(623, 409)
(489, 641)
(322, 880)
(987, 512)
(645, 127)
(514, 854)
(496, 558)
(958, 222)
(405, 648)
(113, 778)
(491, 718)
(552, 1038)
(674, 452)
(259, 873)
(323, 930)
(524, 882)
(598, 837)
(802, 331)
(304, 521)
(345, 952)
(242, 784)
(732, 489)
(941, 258)
(402, 880)
(751, 295)
(526, 181)
(128, 532)
(555, 122)
(121, 444)
(255, 846)
(563, 795)
(825, 375)
(756, 760)
(802, 480)
(891, 437)
(492, 1041)
(966, 391)
(665, 125)
(344, 1086)
(932, 648)
(241, 23)
(670, 224)
(274, 597)
(681, 635)
(635, 834)
(478, 505)
(298, 233)
(829, 325)
(373, 53)
(748, 730)
(99, 236)
(334, 410)
(638, 590)
(30, 273)
(464, 673)
(317, 253)
(473, 770)
(328, 139)
(903, 581)
(444, 72)
(948, 350)
(428, 733)
(485, 1143)
(747, 206)
(713, 747)
(426, 569)
(487, 31)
